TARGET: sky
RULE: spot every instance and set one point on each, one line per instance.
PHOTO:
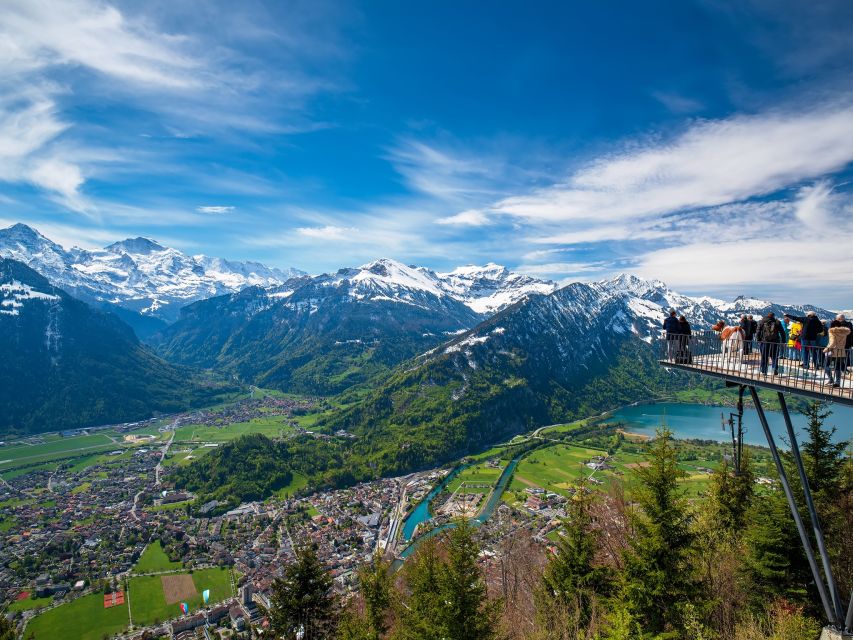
(706, 143)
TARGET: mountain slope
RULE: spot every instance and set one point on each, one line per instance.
(570, 354)
(137, 274)
(319, 334)
(67, 365)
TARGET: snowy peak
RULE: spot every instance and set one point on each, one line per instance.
(490, 288)
(137, 273)
(139, 246)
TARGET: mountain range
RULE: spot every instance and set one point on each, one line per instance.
(137, 275)
(429, 363)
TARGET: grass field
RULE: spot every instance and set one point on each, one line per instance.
(28, 604)
(272, 426)
(154, 559)
(81, 619)
(479, 474)
(298, 482)
(554, 468)
(148, 602)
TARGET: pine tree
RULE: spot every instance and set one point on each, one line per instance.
(823, 459)
(571, 584)
(731, 495)
(7, 629)
(659, 579)
(375, 585)
(302, 600)
(469, 613)
(447, 596)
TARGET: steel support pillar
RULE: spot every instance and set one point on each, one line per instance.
(818, 531)
(804, 538)
(848, 623)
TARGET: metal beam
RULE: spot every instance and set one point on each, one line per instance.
(807, 492)
(804, 538)
(848, 623)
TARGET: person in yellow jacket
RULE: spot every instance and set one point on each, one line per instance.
(794, 329)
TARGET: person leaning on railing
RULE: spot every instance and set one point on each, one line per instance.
(836, 351)
(848, 344)
(771, 339)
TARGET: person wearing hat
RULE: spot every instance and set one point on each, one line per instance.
(812, 328)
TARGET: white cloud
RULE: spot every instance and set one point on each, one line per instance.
(215, 209)
(329, 232)
(676, 102)
(41, 33)
(712, 163)
(813, 203)
(470, 217)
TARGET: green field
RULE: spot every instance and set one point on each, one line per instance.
(555, 468)
(298, 482)
(155, 559)
(28, 604)
(272, 426)
(479, 474)
(81, 619)
(148, 604)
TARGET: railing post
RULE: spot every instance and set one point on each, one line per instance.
(818, 531)
(804, 538)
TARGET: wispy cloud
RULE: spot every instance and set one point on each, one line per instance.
(470, 218)
(711, 163)
(215, 209)
(328, 232)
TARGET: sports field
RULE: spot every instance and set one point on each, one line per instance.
(81, 619)
(478, 478)
(148, 594)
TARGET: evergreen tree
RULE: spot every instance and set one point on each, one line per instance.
(421, 613)
(302, 600)
(447, 595)
(822, 458)
(469, 613)
(731, 495)
(659, 580)
(375, 585)
(571, 582)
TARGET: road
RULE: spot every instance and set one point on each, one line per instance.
(157, 471)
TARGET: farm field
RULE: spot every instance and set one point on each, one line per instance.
(554, 468)
(154, 558)
(148, 598)
(84, 618)
(15, 457)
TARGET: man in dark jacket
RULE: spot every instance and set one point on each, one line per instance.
(812, 328)
(771, 337)
(673, 334)
(745, 326)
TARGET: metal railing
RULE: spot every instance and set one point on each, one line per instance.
(803, 368)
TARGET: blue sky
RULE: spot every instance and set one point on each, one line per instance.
(706, 143)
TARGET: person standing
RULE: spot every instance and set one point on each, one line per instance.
(836, 352)
(684, 332)
(793, 329)
(848, 344)
(771, 340)
(746, 327)
(673, 339)
(811, 330)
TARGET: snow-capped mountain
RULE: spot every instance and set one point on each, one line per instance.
(137, 273)
(491, 288)
(485, 290)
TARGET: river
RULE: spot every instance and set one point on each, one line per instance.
(703, 422)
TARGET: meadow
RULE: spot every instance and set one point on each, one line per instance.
(154, 558)
(273, 427)
(148, 601)
(84, 619)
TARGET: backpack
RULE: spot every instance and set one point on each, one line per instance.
(770, 331)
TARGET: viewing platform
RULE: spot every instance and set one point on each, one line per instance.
(740, 362)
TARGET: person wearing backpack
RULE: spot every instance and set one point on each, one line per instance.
(771, 338)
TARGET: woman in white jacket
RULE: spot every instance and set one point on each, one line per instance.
(836, 354)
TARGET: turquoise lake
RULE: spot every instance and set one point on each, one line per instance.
(703, 422)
